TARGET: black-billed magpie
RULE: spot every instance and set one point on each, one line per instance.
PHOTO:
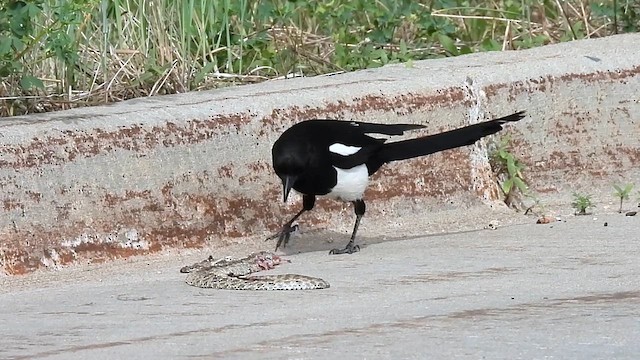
(335, 158)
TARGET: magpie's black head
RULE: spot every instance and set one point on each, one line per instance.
(290, 161)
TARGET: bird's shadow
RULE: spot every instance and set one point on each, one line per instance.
(326, 240)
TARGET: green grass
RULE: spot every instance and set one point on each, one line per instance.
(581, 203)
(57, 54)
(508, 168)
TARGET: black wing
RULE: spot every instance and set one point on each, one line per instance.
(355, 134)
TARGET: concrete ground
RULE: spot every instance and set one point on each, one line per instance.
(566, 290)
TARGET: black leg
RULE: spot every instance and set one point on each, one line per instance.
(308, 201)
(359, 207)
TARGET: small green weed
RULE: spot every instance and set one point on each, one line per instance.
(622, 193)
(509, 169)
(581, 202)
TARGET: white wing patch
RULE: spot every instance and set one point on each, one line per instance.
(351, 183)
(343, 150)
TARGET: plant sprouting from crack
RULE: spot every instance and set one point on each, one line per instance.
(622, 193)
(581, 202)
(509, 170)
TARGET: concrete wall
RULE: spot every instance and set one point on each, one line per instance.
(176, 171)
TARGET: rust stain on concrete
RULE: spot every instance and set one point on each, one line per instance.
(11, 204)
(546, 83)
(69, 145)
(18, 261)
(112, 200)
(578, 147)
(423, 177)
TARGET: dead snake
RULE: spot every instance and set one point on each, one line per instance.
(232, 274)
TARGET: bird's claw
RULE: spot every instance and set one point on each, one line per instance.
(349, 249)
(283, 235)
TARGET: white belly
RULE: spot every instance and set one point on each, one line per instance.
(351, 183)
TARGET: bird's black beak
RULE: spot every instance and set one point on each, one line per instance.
(287, 184)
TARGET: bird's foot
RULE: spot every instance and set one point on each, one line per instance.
(349, 249)
(283, 235)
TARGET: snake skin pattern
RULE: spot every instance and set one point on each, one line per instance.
(231, 274)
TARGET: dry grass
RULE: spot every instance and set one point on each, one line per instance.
(102, 51)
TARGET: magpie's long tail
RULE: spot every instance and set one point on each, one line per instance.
(430, 144)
